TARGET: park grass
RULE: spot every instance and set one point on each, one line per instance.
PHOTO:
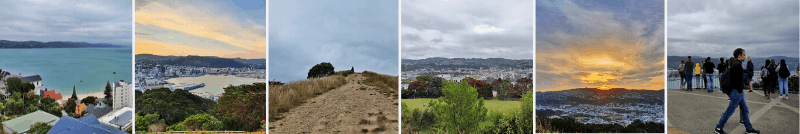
(287, 96)
(492, 105)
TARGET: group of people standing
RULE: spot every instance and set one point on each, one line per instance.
(733, 79)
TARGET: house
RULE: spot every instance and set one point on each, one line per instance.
(80, 108)
(52, 94)
(87, 124)
(23, 123)
(122, 94)
(36, 80)
(121, 119)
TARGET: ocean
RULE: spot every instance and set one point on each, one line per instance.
(215, 83)
(87, 69)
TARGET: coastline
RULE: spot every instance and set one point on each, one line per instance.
(99, 95)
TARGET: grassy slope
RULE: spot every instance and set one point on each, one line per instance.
(492, 105)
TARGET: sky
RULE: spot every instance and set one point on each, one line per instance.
(717, 27)
(619, 44)
(228, 29)
(359, 34)
(467, 29)
(93, 21)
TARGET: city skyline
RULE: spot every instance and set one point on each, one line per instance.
(609, 44)
(228, 29)
(716, 28)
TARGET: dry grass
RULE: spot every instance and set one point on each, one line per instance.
(287, 96)
(387, 84)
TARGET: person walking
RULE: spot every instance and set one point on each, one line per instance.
(734, 91)
(721, 68)
(708, 68)
(697, 77)
(748, 77)
(689, 70)
(783, 78)
(682, 74)
(766, 81)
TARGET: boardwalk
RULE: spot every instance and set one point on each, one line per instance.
(698, 112)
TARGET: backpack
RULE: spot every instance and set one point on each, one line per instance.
(725, 82)
(764, 72)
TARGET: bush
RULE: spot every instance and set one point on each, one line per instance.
(484, 89)
(198, 122)
(320, 70)
(460, 109)
(243, 107)
(418, 120)
(39, 128)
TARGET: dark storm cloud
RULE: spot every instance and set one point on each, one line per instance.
(94, 21)
(467, 29)
(717, 27)
(359, 34)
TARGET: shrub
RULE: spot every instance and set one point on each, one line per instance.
(320, 70)
(202, 122)
(459, 110)
(484, 89)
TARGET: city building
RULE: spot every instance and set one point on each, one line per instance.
(122, 94)
(23, 123)
(121, 119)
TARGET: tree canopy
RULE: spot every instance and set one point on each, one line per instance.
(243, 107)
(320, 70)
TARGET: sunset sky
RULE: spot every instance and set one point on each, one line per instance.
(619, 44)
(228, 29)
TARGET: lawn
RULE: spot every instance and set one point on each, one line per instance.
(492, 105)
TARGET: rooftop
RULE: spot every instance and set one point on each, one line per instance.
(87, 124)
(33, 78)
(23, 123)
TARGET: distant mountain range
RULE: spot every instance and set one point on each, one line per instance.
(438, 63)
(596, 96)
(6, 44)
(199, 61)
(791, 62)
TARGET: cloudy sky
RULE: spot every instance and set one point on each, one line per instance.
(581, 43)
(717, 27)
(467, 29)
(93, 21)
(226, 29)
(360, 34)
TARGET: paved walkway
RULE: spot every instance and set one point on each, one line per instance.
(698, 112)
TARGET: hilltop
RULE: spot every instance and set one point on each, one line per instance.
(55, 44)
(198, 61)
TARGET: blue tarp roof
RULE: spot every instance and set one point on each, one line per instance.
(88, 124)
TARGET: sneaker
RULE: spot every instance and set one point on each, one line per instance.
(752, 132)
(741, 122)
(719, 131)
(751, 90)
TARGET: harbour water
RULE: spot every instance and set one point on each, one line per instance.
(87, 69)
(215, 83)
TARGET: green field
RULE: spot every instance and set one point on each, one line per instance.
(492, 105)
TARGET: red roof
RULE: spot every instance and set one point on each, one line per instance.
(52, 94)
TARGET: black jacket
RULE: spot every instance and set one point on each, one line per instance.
(736, 71)
(783, 72)
(721, 67)
(689, 68)
(708, 67)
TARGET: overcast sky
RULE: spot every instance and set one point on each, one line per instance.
(360, 34)
(93, 21)
(228, 29)
(717, 27)
(589, 44)
(467, 29)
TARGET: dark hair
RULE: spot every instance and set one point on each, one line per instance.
(708, 58)
(721, 59)
(766, 62)
(690, 57)
(783, 62)
(737, 52)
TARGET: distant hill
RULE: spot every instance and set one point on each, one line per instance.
(6, 44)
(673, 61)
(197, 61)
(596, 96)
(438, 63)
(252, 61)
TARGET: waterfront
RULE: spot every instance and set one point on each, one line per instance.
(87, 69)
(215, 83)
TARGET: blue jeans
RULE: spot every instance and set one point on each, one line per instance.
(782, 83)
(737, 100)
(710, 81)
(689, 82)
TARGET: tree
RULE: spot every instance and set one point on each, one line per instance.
(108, 92)
(417, 87)
(434, 87)
(50, 105)
(172, 106)
(89, 100)
(16, 85)
(243, 107)
(484, 89)
(15, 105)
(202, 122)
(525, 116)
(525, 82)
(39, 128)
(424, 77)
(466, 79)
(143, 121)
(74, 95)
(70, 106)
(320, 70)
(460, 110)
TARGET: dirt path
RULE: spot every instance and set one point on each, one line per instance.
(351, 108)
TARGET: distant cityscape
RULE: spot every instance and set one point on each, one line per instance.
(455, 69)
(596, 106)
(152, 73)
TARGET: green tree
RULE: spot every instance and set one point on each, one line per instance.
(74, 95)
(89, 100)
(15, 105)
(39, 128)
(202, 122)
(69, 108)
(525, 116)
(172, 106)
(459, 110)
(243, 107)
(16, 85)
(143, 121)
(320, 70)
(467, 79)
(424, 77)
(50, 105)
(108, 92)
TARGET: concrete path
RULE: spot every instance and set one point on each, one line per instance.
(698, 112)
